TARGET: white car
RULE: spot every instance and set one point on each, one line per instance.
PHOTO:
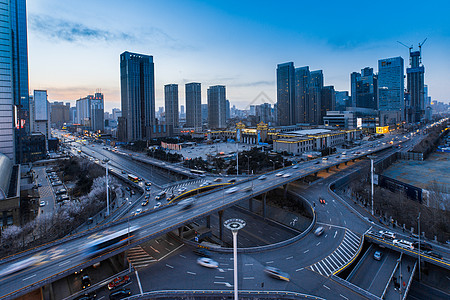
(279, 174)
(286, 175)
(42, 203)
(138, 211)
(232, 190)
(207, 262)
(262, 177)
(404, 244)
(158, 204)
(295, 167)
(182, 190)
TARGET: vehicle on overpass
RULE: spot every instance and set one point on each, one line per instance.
(276, 273)
(110, 241)
(16, 267)
(199, 172)
(133, 178)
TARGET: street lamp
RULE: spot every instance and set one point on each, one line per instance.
(371, 157)
(248, 164)
(234, 225)
(128, 219)
(237, 158)
(106, 160)
(273, 164)
(418, 220)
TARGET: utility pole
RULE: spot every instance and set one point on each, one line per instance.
(107, 188)
(371, 179)
(418, 219)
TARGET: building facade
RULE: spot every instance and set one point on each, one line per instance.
(217, 107)
(41, 115)
(314, 107)
(90, 112)
(137, 86)
(286, 94)
(328, 101)
(415, 87)
(193, 93)
(302, 79)
(171, 105)
(342, 100)
(391, 85)
(364, 88)
(59, 114)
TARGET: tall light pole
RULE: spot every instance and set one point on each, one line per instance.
(248, 164)
(371, 178)
(237, 158)
(107, 187)
(273, 164)
(418, 220)
(234, 225)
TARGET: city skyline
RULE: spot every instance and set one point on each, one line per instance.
(242, 57)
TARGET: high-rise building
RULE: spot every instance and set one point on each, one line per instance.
(90, 112)
(302, 79)
(137, 85)
(171, 104)
(364, 88)
(204, 113)
(415, 87)
(59, 114)
(314, 107)
(342, 100)
(264, 113)
(116, 113)
(227, 109)
(286, 94)
(41, 114)
(7, 140)
(391, 85)
(328, 101)
(193, 92)
(217, 107)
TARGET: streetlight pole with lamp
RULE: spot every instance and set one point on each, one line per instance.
(371, 157)
(106, 160)
(273, 164)
(418, 220)
(235, 225)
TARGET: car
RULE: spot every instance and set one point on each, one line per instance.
(276, 273)
(279, 174)
(207, 262)
(145, 203)
(158, 204)
(85, 281)
(324, 158)
(182, 190)
(387, 234)
(433, 254)
(42, 203)
(317, 162)
(39, 185)
(148, 183)
(218, 180)
(170, 197)
(128, 188)
(423, 246)
(147, 188)
(404, 244)
(123, 172)
(286, 175)
(232, 180)
(118, 281)
(262, 177)
(232, 190)
(248, 189)
(295, 167)
(319, 231)
(202, 252)
(87, 296)
(321, 201)
(186, 203)
(377, 255)
(120, 294)
(138, 211)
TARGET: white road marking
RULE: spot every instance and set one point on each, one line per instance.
(249, 277)
(225, 283)
(306, 251)
(182, 256)
(169, 266)
(326, 235)
(29, 277)
(345, 222)
(343, 296)
(326, 287)
(299, 269)
(101, 297)
(139, 282)
(154, 249)
(335, 234)
(248, 264)
(63, 263)
(269, 262)
(221, 270)
(318, 244)
(220, 277)
(192, 273)
(290, 257)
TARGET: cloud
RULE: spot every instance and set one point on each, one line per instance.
(71, 31)
(254, 83)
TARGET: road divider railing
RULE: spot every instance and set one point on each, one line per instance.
(392, 275)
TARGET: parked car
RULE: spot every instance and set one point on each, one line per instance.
(276, 273)
(119, 281)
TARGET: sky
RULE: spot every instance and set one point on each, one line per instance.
(74, 46)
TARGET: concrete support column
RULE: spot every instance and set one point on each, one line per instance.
(346, 162)
(221, 225)
(250, 204)
(315, 174)
(264, 205)
(208, 222)
(285, 190)
(337, 167)
(180, 232)
(328, 170)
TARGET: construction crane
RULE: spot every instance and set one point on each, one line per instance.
(409, 47)
(420, 49)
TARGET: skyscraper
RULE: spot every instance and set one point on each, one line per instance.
(193, 105)
(415, 87)
(7, 145)
(302, 78)
(137, 85)
(328, 101)
(171, 104)
(41, 111)
(391, 84)
(285, 94)
(364, 88)
(314, 111)
(342, 100)
(90, 112)
(217, 107)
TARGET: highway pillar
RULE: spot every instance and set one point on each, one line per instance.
(264, 205)
(180, 232)
(328, 170)
(315, 174)
(220, 225)
(285, 191)
(346, 162)
(250, 204)
(208, 222)
(337, 166)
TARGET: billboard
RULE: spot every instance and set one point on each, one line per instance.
(358, 122)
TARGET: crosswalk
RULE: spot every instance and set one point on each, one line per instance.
(340, 257)
(174, 188)
(139, 258)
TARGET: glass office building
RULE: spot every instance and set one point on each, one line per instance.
(391, 84)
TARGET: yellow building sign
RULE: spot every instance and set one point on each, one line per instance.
(383, 129)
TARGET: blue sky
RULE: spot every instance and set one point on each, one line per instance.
(74, 46)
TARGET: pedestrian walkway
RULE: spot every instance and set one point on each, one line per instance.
(139, 258)
(340, 257)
